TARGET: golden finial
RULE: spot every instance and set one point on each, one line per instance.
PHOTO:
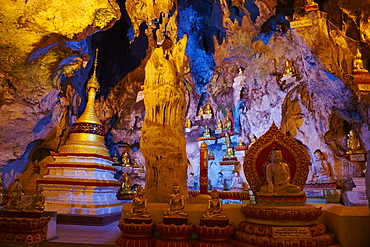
(93, 82)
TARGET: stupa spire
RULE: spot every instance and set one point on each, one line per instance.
(89, 115)
(87, 133)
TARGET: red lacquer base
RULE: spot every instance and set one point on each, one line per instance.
(139, 235)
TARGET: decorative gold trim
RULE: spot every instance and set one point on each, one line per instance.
(271, 137)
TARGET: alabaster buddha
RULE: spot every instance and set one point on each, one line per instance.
(358, 64)
(214, 207)
(236, 181)
(176, 204)
(139, 205)
(321, 171)
(278, 176)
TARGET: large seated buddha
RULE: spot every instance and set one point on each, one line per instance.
(276, 169)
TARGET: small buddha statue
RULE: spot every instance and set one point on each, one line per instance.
(125, 159)
(289, 69)
(321, 171)
(141, 169)
(229, 151)
(188, 123)
(176, 204)
(139, 206)
(200, 113)
(214, 207)
(236, 182)
(16, 201)
(278, 176)
(219, 124)
(206, 132)
(254, 139)
(227, 139)
(354, 143)
(38, 200)
(115, 160)
(241, 143)
(227, 124)
(126, 184)
(358, 65)
(220, 181)
(208, 110)
(210, 153)
(135, 165)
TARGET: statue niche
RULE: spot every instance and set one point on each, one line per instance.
(275, 156)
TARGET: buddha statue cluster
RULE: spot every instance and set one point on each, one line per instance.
(16, 200)
(205, 111)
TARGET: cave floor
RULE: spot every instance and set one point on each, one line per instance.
(79, 235)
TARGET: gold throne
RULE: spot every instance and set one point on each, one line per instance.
(257, 158)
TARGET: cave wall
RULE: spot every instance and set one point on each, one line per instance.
(181, 55)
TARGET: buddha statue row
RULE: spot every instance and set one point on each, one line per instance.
(16, 200)
(176, 206)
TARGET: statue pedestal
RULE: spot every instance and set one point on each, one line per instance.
(135, 234)
(357, 197)
(214, 236)
(321, 193)
(22, 230)
(212, 222)
(174, 235)
(283, 226)
(175, 221)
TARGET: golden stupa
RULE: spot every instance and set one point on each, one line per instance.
(87, 133)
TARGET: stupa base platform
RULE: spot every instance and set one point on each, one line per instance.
(88, 220)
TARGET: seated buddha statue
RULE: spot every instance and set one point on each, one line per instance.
(354, 143)
(254, 139)
(214, 207)
(16, 195)
(228, 124)
(358, 64)
(206, 132)
(289, 69)
(229, 152)
(208, 110)
(38, 200)
(176, 204)
(278, 176)
(125, 159)
(236, 181)
(139, 205)
(126, 184)
(219, 124)
(321, 171)
(188, 123)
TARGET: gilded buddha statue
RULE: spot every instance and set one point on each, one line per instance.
(214, 207)
(354, 143)
(206, 132)
(289, 68)
(126, 184)
(125, 159)
(208, 110)
(188, 123)
(278, 176)
(139, 206)
(358, 64)
(176, 204)
(229, 151)
(38, 200)
(219, 124)
(16, 200)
